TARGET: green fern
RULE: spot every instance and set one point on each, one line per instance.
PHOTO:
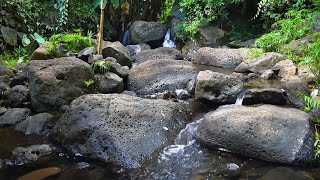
(102, 67)
(310, 102)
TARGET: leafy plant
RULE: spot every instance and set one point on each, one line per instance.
(89, 82)
(102, 67)
(165, 11)
(73, 42)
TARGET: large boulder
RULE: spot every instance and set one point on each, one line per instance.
(34, 124)
(268, 132)
(260, 64)
(16, 96)
(217, 87)
(9, 35)
(159, 53)
(117, 51)
(14, 116)
(142, 31)
(118, 128)
(160, 75)
(56, 82)
(220, 57)
(86, 52)
(212, 36)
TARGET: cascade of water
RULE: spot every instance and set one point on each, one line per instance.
(240, 99)
(167, 41)
(126, 38)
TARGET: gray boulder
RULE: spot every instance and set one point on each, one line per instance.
(285, 68)
(118, 128)
(267, 132)
(260, 64)
(117, 51)
(16, 96)
(34, 124)
(156, 54)
(86, 52)
(142, 31)
(268, 74)
(160, 75)
(20, 78)
(217, 87)
(220, 57)
(211, 36)
(119, 70)
(292, 85)
(242, 44)
(306, 73)
(264, 96)
(111, 83)
(21, 155)
(9, 35)
(56, 82)
(14, 116)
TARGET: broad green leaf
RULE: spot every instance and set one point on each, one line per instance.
(40, 40)
(25, 40)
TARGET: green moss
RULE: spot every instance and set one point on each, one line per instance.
(252, 85)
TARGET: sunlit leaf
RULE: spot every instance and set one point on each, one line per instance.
(115, 3)
(25, 40)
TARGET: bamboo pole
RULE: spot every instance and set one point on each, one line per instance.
(100, 35)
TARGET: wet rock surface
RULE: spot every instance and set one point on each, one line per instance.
(160, 75)
(21, 155)
(14, 116)
(217, 87)
(157, 54)
(34, 124)
(267, 132)
(118, 128)
(53, 85)
(284, 173)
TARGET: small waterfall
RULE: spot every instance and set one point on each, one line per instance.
(240, 99)
(167, 41)
(126, 38)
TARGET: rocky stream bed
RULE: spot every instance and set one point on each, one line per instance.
(157, 115)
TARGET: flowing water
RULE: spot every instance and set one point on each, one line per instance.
(167, 40)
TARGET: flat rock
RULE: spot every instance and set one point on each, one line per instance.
(220, 57)
(160, 75)
(217, 87)
(14, 116)
(118, 128)
(267, 132)
(156, 54)
(56, 82)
